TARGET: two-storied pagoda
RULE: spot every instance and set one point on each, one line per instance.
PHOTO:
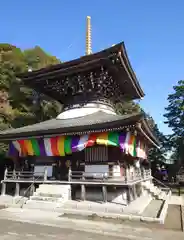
(88, 136)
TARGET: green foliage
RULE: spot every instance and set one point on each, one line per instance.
(127, 108)
(175, 120)
(18, 104)
(36, 58)
(157, 154)
(175, 109)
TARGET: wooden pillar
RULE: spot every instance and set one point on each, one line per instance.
(126, 175)
(134, 191)
(129, 199)
(3, 188)
(104, 193)
(17, 189)
(179, 191)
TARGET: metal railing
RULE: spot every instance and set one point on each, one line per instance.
(26, 191)
(25, 175)
(163, 186)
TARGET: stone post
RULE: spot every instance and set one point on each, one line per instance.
(5, 174)
(17, 190)
(143, 173)
(32, 190)
(3, 188)
(134, 191)
(128, 194)
(69, 174)
(104, 192)
(14, 174)
(83, 190)
(45, 174)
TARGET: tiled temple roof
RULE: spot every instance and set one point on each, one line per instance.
(95, 122)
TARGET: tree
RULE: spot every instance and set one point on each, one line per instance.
(156, 154)
(128, 107)
(36, 58)
(175, 120)
(20, 105)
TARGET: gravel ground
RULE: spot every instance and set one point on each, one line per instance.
(34, 224)
(19, 231)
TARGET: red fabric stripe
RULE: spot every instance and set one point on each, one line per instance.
(91, 141)
(54, 148)
(23, 147)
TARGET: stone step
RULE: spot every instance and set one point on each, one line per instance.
(93, 206)
(152, 209)
(138, 205)
(156, 191)
(50, 194)
(42, 205)
(51, 191)
(54, 195)
(46, 191)
(162, 196)
(47, 199)
(48, 187)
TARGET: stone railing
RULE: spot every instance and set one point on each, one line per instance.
(109, 177)
(146, 173)
(134, 176)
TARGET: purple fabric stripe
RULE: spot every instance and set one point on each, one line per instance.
(42, 147)
(122, 138)
(12, 151)
(75, 142)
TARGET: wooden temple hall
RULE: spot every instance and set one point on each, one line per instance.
(87, 148)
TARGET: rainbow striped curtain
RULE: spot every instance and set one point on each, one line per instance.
(66, 145)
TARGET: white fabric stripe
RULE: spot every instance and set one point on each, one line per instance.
(138, 150)
(17, 146)
(82, 142)
(126, 142)
(48, 147)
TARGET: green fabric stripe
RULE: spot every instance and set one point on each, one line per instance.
(113, 139)
(36, 148)
(68, 145)
(134, 151)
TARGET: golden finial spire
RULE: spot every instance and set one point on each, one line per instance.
(88, 36)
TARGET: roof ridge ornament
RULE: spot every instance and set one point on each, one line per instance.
(88, 36)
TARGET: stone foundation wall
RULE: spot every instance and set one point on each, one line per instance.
(120, 195)
(113, 195)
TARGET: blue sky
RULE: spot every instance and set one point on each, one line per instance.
(152, 31)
